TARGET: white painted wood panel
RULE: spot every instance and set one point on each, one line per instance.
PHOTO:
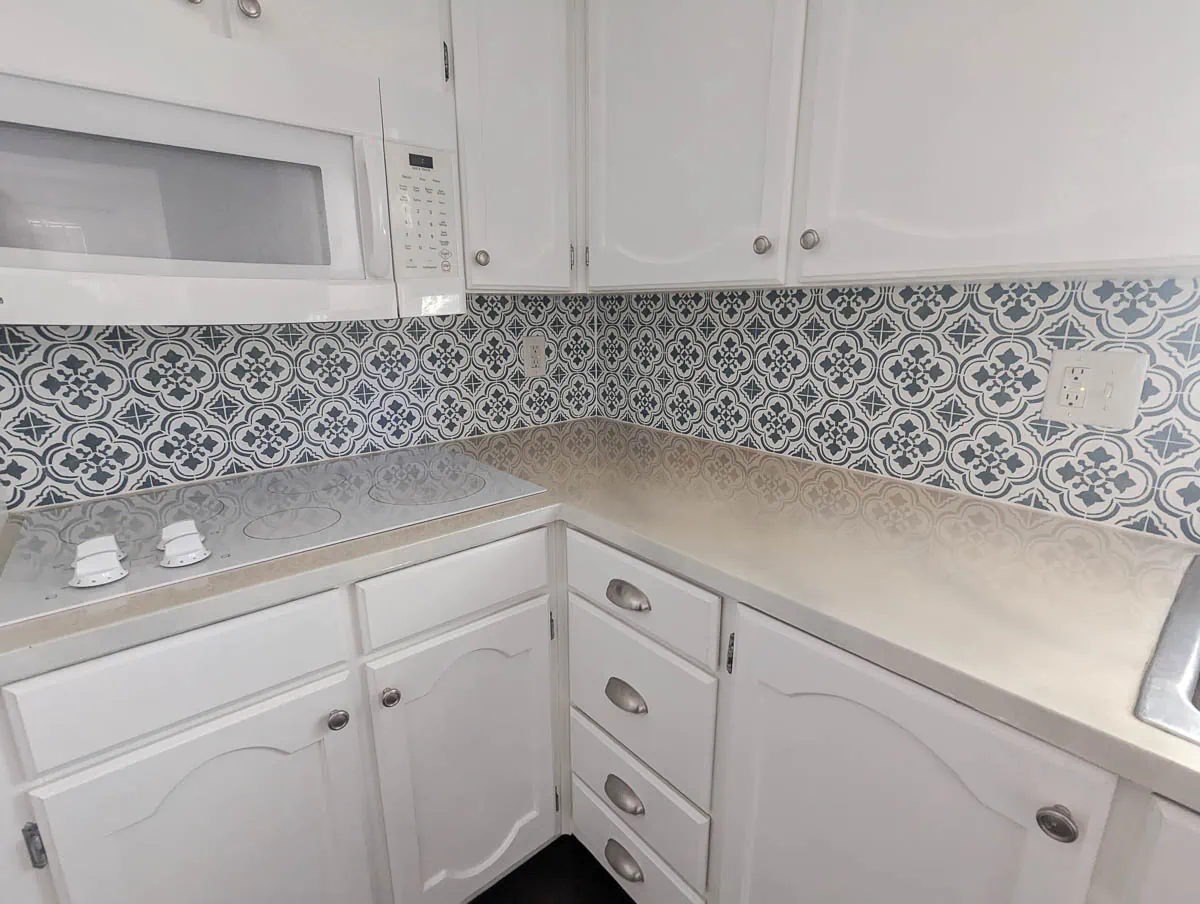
(466, 758)
(596, 827)
(954, 138)
(675, 735)
(669, 823)
(681, 615)
(415, 599)
(377, 36)
(848, 783)
(264, 805)
(1165, 872)
(83, 709)
(692, 113)
(512, 89)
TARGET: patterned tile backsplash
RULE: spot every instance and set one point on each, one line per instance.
(940, 384)
(91, 411)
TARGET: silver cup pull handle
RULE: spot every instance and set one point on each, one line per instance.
(622, 862)
(626, 596)
(623, 797)
(623, 696)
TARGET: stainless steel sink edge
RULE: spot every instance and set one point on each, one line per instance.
(1168, 690)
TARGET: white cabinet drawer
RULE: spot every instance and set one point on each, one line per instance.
(679, 614)
(83, 709)
(616, 671)
(614, 845)
(641, 800)
(406, 602)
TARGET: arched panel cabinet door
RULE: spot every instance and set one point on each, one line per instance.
(692, 109)
(848, 783)
(933, 153)
(464, 739)
(265, 804)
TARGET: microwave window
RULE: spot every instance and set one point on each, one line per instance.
(84, 194)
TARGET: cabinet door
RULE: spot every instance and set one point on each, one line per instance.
(952, 138)
(511, 64)
(465, 754)
(692, 110)
(264, 805)
(1164, 870)
(847, 783)
(381, 36)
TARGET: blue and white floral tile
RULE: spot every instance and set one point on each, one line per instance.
(87, 411)
(940, 384)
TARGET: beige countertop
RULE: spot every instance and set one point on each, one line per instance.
(1044, 622)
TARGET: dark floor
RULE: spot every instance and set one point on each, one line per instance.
(563, 873)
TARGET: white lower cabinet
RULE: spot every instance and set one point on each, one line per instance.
(847, 783)
(463, 733)
(265, 804)
(1161, 867)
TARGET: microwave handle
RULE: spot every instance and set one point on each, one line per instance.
(373, 207)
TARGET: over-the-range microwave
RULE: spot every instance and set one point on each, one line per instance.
(233, 190)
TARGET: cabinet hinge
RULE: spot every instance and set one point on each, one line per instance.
(33, 844)
(572, 257)
(553, 627)
(557, 800)
(587, 255)
(729, 654)
(445, 61)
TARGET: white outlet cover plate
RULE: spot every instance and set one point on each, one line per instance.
(1113, 385)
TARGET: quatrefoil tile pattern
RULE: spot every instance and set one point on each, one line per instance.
(93, 411)
(939, 384)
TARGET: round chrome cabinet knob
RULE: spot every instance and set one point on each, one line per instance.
(338, 719)
(482, 258)
(251, 9)
(390, 697)
(762, 245)
(810, 239)
(1058, 823)
(195, 2)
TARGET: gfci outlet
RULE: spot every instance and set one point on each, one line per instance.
(1100, 389)
(533, 353)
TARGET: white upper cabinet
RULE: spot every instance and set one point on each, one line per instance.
(692, 111)
(465, 746)
(857, 785)
(512, 87)
(381, 36)
(953, 138)
(265, 804)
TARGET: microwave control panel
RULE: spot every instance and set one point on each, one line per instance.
(424, 209)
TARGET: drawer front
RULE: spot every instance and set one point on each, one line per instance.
(681, 615)
(614, 669)
(406, 602)
(644, 802)
(83, 709)
(643, 875)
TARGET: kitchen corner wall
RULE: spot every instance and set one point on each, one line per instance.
(92, 411)
(941, 384)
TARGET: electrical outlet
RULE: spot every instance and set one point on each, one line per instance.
(1100, 389)
(533, 354)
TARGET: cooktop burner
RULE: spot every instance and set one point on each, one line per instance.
(240, 521)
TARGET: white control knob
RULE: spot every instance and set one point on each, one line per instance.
(98, 562)
(182, 545)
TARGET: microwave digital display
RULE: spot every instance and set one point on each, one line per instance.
(421, 161)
